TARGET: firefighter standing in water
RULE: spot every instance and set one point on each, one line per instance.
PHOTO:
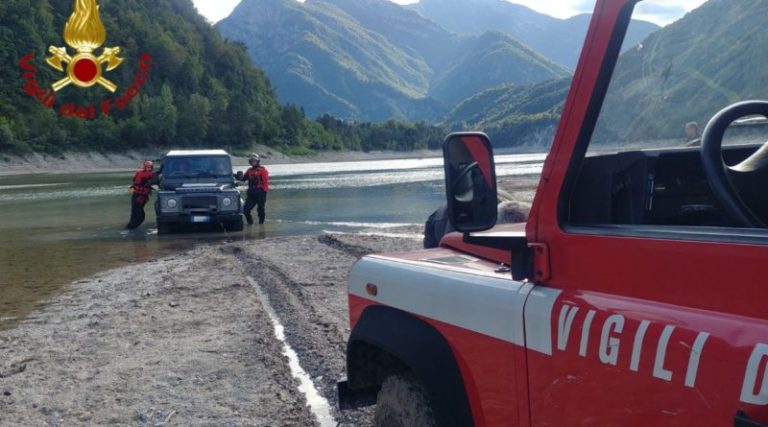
(141, 190)
(258, 187)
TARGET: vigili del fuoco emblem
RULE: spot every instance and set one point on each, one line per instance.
(84, 32)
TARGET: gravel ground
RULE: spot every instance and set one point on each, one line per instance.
(310, 296)
(521, 188)
(184, 340)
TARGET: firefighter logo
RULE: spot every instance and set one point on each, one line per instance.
(85, 33)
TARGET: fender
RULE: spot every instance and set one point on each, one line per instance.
(386, 341)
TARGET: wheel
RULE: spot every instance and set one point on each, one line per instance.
(236, 225)
(403, 402)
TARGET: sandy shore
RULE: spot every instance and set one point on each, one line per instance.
(185, 340)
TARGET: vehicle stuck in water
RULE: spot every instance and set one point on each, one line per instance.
(197, 187)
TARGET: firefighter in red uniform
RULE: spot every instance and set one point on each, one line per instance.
(258, 187)
(141, 190)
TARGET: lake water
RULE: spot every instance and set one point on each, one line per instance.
(57, 228)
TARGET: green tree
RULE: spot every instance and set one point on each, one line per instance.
(194, 120)
(292, 118)
(161, 116)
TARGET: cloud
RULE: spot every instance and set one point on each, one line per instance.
(215, 10)
(664, 12)
(559, 8)
(661, 12)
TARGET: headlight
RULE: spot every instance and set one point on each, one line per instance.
(171, 203)
(226, 202)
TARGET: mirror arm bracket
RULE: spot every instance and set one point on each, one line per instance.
(521, 254)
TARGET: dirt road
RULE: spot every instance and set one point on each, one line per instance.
(186, 340)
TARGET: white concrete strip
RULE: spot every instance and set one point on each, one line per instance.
(317, 403)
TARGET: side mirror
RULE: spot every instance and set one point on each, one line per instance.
(470, 181)
(239, 175)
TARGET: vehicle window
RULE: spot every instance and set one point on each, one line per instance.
(665, 89)
(196, 167)
(644, 163)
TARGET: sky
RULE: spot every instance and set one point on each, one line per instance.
(661, 12)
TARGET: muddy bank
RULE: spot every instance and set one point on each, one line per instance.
(185, 340)
(310, 296)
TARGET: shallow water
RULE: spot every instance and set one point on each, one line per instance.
(57, 228)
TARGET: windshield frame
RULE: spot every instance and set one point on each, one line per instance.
(595, 105)
(579, 152)
(191, 174)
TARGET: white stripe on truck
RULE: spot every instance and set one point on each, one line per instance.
(483, 304)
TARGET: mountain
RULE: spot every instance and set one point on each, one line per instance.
(374, 60)
(404, 28)
(559, 40)
(496, 105)
(513, 115)
(710, 58)
(322, 59)
(498, 59)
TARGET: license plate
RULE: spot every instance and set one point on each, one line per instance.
(198, 219)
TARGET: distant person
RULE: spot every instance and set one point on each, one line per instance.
(692, 134)
(141, 190)
(257, 178)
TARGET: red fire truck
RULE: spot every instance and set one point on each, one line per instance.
(634, 294)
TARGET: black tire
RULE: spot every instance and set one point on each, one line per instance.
(402, 402)
(236, 225)
(164, 228)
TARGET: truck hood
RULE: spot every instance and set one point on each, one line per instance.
(206, 187)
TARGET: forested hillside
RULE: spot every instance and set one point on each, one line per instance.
(490, 60)
(514, 115)
(712, 57)
(375, 60)
(559, 40)
(202, 91)
(324, 60)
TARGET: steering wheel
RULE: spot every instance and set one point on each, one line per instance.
(463, 178)
(740, 189)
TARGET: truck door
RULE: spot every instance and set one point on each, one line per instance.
(652, 263)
